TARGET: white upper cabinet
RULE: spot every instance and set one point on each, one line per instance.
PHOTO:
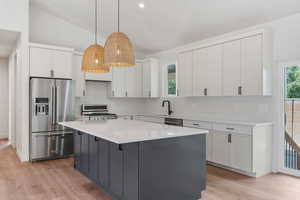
(185, 74)
(78, 76)
(134, 81)
(207, 71)
(140, 81)
(252, 66)
(237, 66)
(150, 78)
(50, 62)
(40, 62)
(98, 77)
(119, 81)
(62, 64)
(146, 79)
(232, 68)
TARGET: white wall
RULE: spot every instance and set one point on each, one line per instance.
(97, 93)
(14, 16)
(4, 98)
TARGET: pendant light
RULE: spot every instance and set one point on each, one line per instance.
(118, 49)
(93, 58)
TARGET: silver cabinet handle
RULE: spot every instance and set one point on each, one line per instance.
(196, 124)
(229, 138)
(205, 92)
(52, 73)
(240, 90)
(231, 129)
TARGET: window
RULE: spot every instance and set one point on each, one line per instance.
(171, 80)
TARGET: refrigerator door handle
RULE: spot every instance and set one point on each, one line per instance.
(57, 93)
(53, 105)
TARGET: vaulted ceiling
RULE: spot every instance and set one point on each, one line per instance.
(165, 24)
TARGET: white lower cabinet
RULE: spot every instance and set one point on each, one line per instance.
(221, 148)
(241, 152)
(232, 150)
(209, 142)
(245, 149)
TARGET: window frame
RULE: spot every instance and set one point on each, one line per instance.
(167, 80)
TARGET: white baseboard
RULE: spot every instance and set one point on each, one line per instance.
(3, 135)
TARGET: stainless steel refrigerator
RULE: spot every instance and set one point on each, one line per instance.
(51, 102)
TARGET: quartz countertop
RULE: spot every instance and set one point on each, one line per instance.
(122, 131)
(207, 119)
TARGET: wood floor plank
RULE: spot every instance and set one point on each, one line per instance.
(57, 180)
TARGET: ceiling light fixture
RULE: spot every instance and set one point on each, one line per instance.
(93, 58)
(141, 5)
(118, 49)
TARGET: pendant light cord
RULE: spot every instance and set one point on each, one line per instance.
(118, 15)
(96, 21)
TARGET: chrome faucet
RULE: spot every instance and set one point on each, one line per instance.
(169, 106)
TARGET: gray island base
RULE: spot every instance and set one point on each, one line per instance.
(162, 169)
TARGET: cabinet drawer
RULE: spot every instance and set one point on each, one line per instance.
(197, 124)
(233, 128)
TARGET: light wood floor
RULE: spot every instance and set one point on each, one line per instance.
(57, 180)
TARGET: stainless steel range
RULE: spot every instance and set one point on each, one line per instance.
(96, 112)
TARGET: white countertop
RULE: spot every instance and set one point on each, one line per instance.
(208, 119)
(122, 131)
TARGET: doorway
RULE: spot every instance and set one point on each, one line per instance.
(291, 131)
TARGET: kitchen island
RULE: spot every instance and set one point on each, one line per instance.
(135, 160)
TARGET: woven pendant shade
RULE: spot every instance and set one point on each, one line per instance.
(118, 51)
(93, 60)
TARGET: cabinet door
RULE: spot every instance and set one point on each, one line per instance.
(99, 77)
(241, 152)
(185, 74)
(84, 154)
(78, 76)
(93, 158)
(103, 159)
(146, 79)
(207, 71)
(220, 152)
(116, 170)
(252, 74)
(118, 81)
(40, 62)
(62, 64)
(131, 171)
(231, 68)
(131, 82)
(139, 80)
(209, 147)
(77, 150)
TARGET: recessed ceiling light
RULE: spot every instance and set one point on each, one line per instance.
(141, 5)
